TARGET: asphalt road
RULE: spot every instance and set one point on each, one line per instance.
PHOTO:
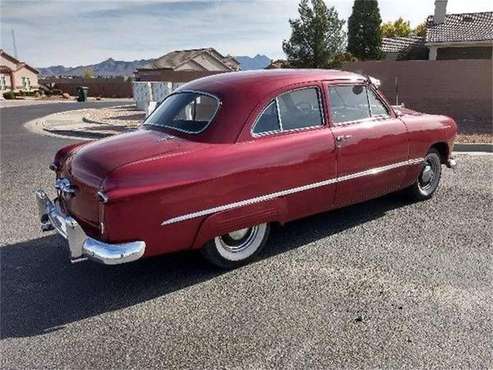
(387, 284)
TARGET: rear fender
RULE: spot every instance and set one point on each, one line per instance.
(234, 219)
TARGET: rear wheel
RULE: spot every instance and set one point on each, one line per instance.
(428, 179)
(236, 248)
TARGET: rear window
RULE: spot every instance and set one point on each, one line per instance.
(189, 112)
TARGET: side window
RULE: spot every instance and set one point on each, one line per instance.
(300, 109)
(290, 111)
(376, 106)
(268, 120)
(348, 103)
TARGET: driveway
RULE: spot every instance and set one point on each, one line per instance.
(387, 283)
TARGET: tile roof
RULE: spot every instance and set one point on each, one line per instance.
(400, 44)
(461, 27)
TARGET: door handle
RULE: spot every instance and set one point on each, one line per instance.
(342, 138)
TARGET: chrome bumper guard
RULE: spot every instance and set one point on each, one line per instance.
(81, 246)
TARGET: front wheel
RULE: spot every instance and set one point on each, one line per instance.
(428, 179)
(236, 248)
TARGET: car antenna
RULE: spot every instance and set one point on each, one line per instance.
(396, 87)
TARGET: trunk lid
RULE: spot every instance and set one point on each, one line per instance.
(88, 167)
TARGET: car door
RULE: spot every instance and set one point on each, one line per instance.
(292, 137)
(372, 144)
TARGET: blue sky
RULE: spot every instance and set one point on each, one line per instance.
(76, 32)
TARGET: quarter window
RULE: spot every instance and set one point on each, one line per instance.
(268, 121)
(376, 106)
(293, 110)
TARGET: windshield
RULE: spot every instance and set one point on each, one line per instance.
(188, 112)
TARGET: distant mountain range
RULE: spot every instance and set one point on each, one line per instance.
(107, 68)
(257, 62)
(111, 67)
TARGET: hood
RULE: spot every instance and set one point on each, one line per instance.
(94, 161)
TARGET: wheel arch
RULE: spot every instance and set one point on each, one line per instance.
(228, 221)
(443, 150)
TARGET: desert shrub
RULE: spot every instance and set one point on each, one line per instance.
(9, 95)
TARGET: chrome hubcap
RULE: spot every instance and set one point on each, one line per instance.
(239, 240)
(427, 174)
(238, 234)
(428, 179)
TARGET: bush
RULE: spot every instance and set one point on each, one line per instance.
(9, 95)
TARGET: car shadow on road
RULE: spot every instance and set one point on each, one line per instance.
(41, 292)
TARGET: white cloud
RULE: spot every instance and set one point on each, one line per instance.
(74, 32)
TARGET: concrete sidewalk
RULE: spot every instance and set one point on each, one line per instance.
(72, 125)
(89, 123)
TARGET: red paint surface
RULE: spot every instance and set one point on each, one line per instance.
(150, 177)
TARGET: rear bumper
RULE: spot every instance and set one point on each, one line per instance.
(81, 246)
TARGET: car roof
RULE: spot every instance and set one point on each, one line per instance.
(263, 82)
(243, 93)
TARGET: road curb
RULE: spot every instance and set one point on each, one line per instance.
(88, 120)
(473, 147)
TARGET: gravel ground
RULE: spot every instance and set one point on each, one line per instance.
(383, 284)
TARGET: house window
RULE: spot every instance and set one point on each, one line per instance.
(3, 83)
(26, 83)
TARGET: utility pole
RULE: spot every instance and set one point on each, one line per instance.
(13, 43)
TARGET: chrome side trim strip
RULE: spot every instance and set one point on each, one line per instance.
(282, 193)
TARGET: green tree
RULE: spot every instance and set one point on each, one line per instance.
(399, 28)
(364, 34)
(317, 36)
(420, 29)
(87, 73)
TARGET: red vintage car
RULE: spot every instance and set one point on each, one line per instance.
(224, 157)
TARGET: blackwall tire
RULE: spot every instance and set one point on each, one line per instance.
(237, 248)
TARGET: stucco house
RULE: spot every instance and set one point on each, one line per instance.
(459, 36)
(16, 75)
(184, 65)
(448, 36)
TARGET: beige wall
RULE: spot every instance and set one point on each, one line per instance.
(461, 89)
(19, 74)
(25, 72)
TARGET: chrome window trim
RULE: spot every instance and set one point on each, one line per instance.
(377, 96)
(279, 114)
(266, 197)
(273, 101)
(219, 104)
(282, 131)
